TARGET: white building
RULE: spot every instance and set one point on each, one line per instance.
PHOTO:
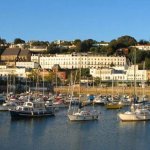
(35, 58)
(38, 49)
(126, 74)
(140, 75)
(27, 65)
(100, 44)
(70, 61)
(3, 66)
(108, 74)
(19, 72)
(143, 47)
(21, 45)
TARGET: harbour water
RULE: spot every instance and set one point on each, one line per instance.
(58, 133)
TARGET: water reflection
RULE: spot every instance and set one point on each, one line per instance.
(52, 133)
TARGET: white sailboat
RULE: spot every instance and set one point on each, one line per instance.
(9, 102)
(113, 104)
(76, 112)
(135, 114)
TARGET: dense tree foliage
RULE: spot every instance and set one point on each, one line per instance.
(40, 43)
(85, 72)
(140, 55)
(83, 46)
(2, 41)
(147, 62)
(120, 46)
(143, 42)
(121, 42)
(127, 41)
(18, 41)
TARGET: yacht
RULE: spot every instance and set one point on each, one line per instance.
(137, 115)
(136, 112)
(32, 109)
(83, 115)
(8, 105)
(100, 100)
(77, 113)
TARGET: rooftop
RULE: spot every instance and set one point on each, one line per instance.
(11, 51)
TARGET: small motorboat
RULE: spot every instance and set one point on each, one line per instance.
(32, 109)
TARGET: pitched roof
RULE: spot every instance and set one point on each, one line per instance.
(11, 51)
(24, 52)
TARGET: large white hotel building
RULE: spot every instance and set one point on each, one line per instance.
(71, 61)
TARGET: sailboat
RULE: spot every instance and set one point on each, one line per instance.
(113, 104)
(10, 101)
(136, 113)
(77, 112)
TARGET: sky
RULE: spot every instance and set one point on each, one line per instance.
(49, 20)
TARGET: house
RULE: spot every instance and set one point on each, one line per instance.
(24, 55)
(10, 55)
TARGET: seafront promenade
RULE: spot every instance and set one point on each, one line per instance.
(104, 90)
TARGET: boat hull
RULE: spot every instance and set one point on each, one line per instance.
(133, 117)
(99, 103)
(82, 118)
(6, 108)
(31, 114)
(114, 106)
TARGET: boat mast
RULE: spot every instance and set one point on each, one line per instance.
(112, 92)
(7, 88)
(79, 78)
(37, 83)
(71, 86)
(43, 81)
(143, 82)
(135, 94)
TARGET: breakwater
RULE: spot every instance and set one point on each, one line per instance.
(104, 90)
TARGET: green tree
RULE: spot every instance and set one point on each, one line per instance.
(78, 45)
(121, 42)
(94, 50)
(143, 42)
(85, 72)
(140, 55)
(53, 49)
(40, 43)
(2, 41)
(147, 63)
(112, 47)
(86, 45)
(97, 81)
(51, 77)
(76, 41)
(126, 41)
(18, 41)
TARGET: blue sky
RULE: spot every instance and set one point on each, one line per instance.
(50, 20)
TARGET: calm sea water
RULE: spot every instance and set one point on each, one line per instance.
(58, 133)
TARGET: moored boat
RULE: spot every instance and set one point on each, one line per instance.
(83, 115)
(32, 109)
(137, 115)
(8, 105)
(114, 105)
(137, 112)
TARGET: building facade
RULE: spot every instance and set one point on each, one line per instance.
(143, 47)
(33, 65)
(18, 72)
(70, 61)
(123, 74)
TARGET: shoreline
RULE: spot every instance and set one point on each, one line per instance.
(104, 90)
